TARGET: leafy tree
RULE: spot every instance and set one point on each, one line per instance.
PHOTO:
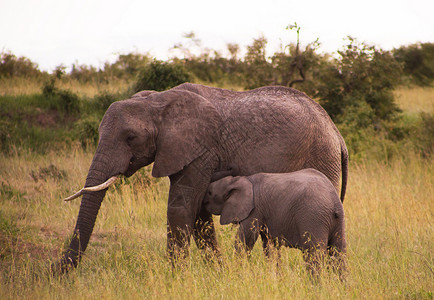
(127, 65)
(190, 45)
(208, 65)
(13, 66)
(64, 101)
(296, 68)
(160, 76)
(234, 50)
(418, 62)
(84, 73)
(259, 71)
(361, 75)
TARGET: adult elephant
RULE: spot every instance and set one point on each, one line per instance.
(192, 131)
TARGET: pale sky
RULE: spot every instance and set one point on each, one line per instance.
(91, 32)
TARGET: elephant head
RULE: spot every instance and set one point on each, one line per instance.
(169, 128)
(230, 197)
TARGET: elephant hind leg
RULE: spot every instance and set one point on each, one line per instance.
(314, 258)
(336, 251)
(314, 251)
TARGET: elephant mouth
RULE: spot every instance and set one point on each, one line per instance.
(137, 163)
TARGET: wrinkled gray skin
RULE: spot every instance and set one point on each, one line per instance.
(192, 131)
(299, 210)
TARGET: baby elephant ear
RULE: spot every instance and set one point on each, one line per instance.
(239, 203)
(187, 129)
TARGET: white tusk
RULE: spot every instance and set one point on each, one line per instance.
(100, 187)
(76, 195)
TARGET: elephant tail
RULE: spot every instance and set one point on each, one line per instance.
(344, 165)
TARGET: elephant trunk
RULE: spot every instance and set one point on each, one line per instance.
(90, 204)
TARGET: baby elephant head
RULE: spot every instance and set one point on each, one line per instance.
(230, 197)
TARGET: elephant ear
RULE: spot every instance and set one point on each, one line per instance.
(187, 128)
(239, 203)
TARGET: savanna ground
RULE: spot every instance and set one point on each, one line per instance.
(389, 217)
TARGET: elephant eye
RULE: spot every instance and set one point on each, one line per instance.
(229, 194)
(130, 139)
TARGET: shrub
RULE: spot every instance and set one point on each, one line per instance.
(127, 65)
(18, 134)
(259, 71)
(423, 135)
(84, 73)
(160, 76)
(104, 99)
(87, 131)
(361, 75)
(418, 62)
(13, 66)
(6, 131)
(62, 100)
(51, 171)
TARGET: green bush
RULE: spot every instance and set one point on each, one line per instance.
(87, 131)
(62, 100)
(160, 76)
(104, 99)
(259, 71)
(361, 75)
(127, 65)
(423, 134)
(17, 135)
(418, 62)
(13, 66)
(6, 132)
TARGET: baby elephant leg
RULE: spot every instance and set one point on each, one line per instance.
(337, 252)
(266, 243)
(270, 246)
(247, 234)
(314, 250)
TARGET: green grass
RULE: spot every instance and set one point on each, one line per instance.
(43, 123)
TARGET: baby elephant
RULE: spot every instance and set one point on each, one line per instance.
(299, 210)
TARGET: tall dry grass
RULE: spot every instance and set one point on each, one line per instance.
(20, 86)
(26, 86)
(389, 210)
(415, 99)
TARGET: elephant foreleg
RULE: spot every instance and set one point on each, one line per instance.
(179, 225)
(204, 234)
(247, 234)
(184, 215)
